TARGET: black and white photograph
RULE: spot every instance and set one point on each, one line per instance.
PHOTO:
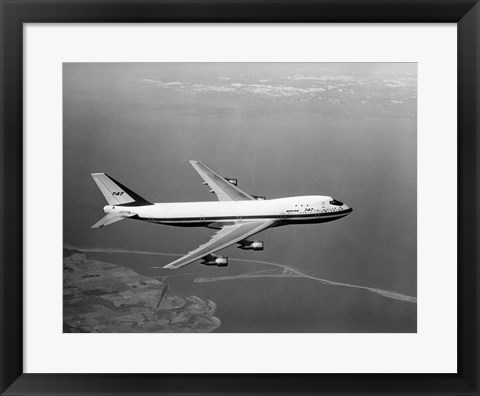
(239, 197)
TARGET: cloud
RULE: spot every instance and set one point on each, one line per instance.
(401, 82)
(299, 88)
(299, 77)
(258, 90)
(172, 83)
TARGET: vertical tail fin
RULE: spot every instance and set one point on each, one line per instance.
(116, 193)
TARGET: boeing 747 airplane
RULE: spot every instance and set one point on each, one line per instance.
(237, 216)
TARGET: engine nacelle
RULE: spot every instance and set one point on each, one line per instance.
(233, 181)
(259, 197)
(219, 261)
(251, 245)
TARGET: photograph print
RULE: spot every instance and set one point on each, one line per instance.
(240, 197)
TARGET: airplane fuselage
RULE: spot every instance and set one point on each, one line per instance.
(237, 214)
(214, 214)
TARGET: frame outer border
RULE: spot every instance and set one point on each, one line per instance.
(13, 13)
(468, 107)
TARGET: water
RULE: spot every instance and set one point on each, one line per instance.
(287, 305)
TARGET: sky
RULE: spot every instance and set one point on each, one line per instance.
(348, 130)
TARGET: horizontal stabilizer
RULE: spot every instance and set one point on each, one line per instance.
(110, 219)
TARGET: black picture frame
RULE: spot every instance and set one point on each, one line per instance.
(14, 13)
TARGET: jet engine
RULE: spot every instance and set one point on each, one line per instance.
(219, 261)
(233, 181)
(251, 245)
(259, 197)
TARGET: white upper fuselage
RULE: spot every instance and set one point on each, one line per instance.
(302, 209)
(237, 214)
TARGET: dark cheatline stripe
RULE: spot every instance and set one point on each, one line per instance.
(297, 216)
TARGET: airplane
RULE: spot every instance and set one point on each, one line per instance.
(237, 215)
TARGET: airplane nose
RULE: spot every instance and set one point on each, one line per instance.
(348, 209)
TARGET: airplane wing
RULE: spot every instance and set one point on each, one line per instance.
(225, 237)
(224, 190)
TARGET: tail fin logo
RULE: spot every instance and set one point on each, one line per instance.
(116, 193)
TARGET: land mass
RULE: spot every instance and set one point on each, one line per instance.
(101, 297)
(285, 272)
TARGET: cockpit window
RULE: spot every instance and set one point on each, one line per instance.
(336, 203)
